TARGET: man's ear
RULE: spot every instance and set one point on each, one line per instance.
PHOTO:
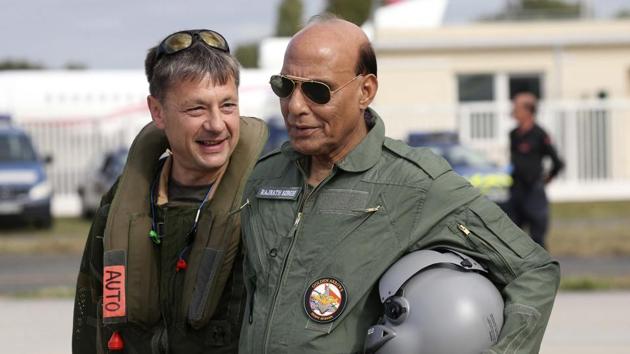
(369, 86)
(157, 111)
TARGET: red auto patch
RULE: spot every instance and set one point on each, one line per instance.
(114, 300)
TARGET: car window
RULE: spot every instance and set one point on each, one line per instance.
(107, 165)
(277, 135)
(458, 155)
(114, 164)
(438, 150)
(16, 148)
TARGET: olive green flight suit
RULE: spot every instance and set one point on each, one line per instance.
(193, 310)
(383, 200)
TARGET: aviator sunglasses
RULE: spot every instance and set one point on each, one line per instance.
(179, 41)
(316, 91)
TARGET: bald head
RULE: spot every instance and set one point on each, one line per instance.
(335, 30)
(330, 54)
(327, 34)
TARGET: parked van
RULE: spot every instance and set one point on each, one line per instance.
(25, 192)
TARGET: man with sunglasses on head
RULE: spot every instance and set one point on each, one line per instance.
(330, 211)
(161, 271)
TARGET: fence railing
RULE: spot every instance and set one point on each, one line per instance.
(590, 136)
(77, 147)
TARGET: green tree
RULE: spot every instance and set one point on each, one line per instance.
(73, 65)
(289, 18)
(19, 64)
(537, 10)
(247, 55)
(624, 13)
(355, 11)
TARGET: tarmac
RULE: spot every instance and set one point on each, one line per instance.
(581, 323)
(23, 274)
(593, 323)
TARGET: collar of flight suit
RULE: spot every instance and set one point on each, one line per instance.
(165, 175)
(363, 157)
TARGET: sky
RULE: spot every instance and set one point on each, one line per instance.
(115, 34)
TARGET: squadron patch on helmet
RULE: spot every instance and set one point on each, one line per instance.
(325, 299)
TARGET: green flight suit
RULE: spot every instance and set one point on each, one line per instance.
(174, 335)
(383, 200)
(196, 309)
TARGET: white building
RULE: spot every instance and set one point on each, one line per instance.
(431, 77)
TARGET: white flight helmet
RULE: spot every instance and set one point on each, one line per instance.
(436, 302)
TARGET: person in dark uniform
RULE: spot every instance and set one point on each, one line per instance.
(529, 144)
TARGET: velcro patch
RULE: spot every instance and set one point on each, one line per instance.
(284, 193)
(342, 199)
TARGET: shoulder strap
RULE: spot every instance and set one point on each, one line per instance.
(432, 164)
(130, 261)
(216, 245)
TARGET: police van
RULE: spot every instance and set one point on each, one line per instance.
(25, 192)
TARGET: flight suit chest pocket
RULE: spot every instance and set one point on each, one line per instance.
(342, 201)
(355, 247)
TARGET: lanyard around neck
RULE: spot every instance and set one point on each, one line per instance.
(153, 233)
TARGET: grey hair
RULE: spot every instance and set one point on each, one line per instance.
(193, 63)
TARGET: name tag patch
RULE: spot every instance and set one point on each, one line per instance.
(325, 299)
(284, 193)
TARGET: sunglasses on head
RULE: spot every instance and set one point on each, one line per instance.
(179, 41)
(316, 91)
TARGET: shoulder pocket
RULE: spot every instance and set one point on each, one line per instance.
(489, 216)
(486, 228)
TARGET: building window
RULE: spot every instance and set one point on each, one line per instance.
(525, 83)
(476, 87)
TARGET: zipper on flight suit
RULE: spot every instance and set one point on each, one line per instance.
(489, 246)
(293, 232)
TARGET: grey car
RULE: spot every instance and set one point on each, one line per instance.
(100, 179)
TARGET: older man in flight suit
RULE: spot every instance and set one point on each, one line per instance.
(327, 213)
